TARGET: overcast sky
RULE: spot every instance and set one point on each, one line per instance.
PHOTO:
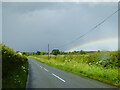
(31, 26)
(0, 22)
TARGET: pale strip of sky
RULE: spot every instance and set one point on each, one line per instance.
(59, 0)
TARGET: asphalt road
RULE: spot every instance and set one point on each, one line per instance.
(43, 76)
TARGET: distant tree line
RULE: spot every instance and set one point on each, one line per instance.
(34, 53)
(58, 52)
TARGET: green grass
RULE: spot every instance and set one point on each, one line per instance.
(80, 64)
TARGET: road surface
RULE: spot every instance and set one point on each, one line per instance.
(43, 76)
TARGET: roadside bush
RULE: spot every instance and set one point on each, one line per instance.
(12, 66)
(11, 60)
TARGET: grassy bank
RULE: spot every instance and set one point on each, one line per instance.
(86, 65)
(14, 69)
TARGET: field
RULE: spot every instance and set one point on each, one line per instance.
(102, 66)
(14, 69)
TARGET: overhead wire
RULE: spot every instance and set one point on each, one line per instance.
(90, 29)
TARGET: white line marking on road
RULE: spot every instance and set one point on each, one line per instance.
(41, 66)
(58, 77)
(45, 69)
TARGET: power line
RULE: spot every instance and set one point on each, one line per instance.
(90, 29)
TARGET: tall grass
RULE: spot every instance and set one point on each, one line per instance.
(100, 66)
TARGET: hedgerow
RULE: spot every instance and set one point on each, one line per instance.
(12, 65)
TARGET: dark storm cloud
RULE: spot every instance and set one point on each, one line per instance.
(31, 26)
(0, 22)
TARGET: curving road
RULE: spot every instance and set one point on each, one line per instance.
(43, 76)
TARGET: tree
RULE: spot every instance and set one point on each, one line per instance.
(82, 52)
(43, 53)
(99, 51)
(38, 53)
(24, 53)
(55, 52)
(61, 52)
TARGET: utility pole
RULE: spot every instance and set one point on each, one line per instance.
(48, 51)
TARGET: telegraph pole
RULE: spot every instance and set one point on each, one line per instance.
(48, 51)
